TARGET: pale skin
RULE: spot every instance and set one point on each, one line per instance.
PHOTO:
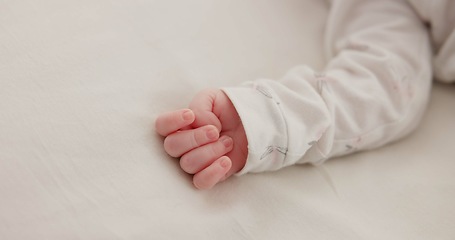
(208, 137)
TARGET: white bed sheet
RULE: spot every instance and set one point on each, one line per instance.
(81, 83)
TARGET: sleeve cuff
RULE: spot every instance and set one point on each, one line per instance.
(266, 131)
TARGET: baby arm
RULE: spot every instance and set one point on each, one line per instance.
(373, 90)
(208, 137)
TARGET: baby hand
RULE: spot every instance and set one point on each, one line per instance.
(208, 137)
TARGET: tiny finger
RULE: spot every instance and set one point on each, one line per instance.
(211, 175)
(170, 122)
(181, 142)
(199, 158)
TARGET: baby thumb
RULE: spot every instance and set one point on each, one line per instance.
(202, 106)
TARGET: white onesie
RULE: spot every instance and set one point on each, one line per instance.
(374, 89)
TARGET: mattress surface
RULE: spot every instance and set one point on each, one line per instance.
(81, 83)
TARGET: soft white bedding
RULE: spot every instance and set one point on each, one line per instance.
(81, 83)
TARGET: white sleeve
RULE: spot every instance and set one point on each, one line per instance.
(373, 90)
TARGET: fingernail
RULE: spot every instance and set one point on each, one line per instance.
(187, 115)
(225, 162)
(227, 141)
(212, 134)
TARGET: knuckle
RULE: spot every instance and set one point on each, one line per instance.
(199, 136)
(204, 135)
(194, 138)
(215, 150)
